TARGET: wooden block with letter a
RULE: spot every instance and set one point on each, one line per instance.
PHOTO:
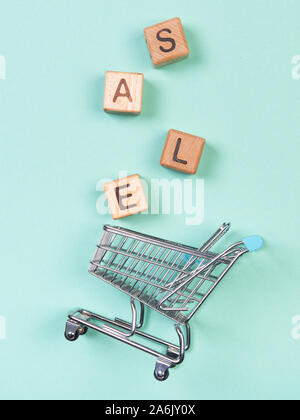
(166, 42)
(125, 197)
(123, 92)
(182, 152)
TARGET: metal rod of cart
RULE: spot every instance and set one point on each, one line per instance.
(170, 278)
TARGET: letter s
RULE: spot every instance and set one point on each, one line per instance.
(171, 40)
(296, 68)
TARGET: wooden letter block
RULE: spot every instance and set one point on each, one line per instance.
(123, 92)
(182, 152)
(125, 197)
(166, 42)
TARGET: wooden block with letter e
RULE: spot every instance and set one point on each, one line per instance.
(123, 92)
(125, 197)
(182, 152)
(166, 42)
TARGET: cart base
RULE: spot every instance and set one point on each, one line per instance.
(81, 320)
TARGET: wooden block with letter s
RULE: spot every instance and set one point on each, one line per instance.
(182, 152)
(125, 197)
(166, 42)
(123, 92)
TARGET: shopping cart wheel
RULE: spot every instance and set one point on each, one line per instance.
(161, 376)
(161, 372)
(72, 331)
(72, 336)
(83, 330)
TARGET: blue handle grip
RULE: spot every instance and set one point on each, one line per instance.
(253, 243)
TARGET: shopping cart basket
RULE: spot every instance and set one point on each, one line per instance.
(171, 278)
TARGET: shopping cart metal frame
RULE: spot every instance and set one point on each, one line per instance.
(163, 275)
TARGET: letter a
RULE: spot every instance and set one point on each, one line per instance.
(118, 91)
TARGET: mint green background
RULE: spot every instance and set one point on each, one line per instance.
(237, 91)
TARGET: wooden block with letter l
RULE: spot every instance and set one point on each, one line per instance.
(125, 197)
(123, 92)
(166, 42)
(182, 152)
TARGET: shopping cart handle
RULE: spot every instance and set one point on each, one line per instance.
(253, 243)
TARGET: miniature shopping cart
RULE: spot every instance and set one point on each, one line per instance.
(170, 278)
